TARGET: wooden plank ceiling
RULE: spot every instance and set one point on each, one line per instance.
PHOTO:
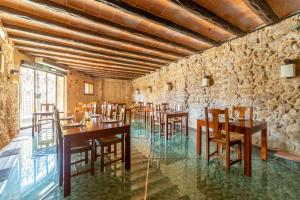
(126, 39)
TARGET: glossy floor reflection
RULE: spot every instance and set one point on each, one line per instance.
(170, 169)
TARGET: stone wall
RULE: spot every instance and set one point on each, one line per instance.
(244, 71)
(111, 90)
(9, 95)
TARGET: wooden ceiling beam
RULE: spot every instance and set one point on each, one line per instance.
(105, 73)
(97, 69)
(263, 10)
(57, 52)
(111, 54)
(129, 8)
(169, 10)
(42, 9)
(128, 16)
(209, 16)
(12, 18)
(90, 64)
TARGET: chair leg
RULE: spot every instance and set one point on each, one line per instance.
(115, 149)
(207, 149)
(122, 150)
(92, 162)
(181, 126)
(227, 158)
(240, 152)
(86, 160)
(102, 159)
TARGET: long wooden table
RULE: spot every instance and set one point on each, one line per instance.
(247, 128)
(93, 129)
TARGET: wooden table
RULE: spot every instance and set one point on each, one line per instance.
(35, 116)
(247, 128)
(93, 129)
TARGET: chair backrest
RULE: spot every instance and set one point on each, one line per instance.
(157, 112)
(103, 108)
(58, 127)
(149, 105)
(47, 107)
(164, 106)
(242, 112)
(108, 110)
(213, 122)
(121, 115)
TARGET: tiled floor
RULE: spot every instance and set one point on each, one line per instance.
(171, 169)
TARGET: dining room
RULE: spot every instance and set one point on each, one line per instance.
(157, 99)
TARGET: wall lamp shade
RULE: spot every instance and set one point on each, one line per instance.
(288, 71)
(14, 76)
(168, 86)
(205, 81)
(137, 91)
(149, 89)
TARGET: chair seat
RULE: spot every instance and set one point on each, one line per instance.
(80, 146)
(176, 120)
(222, 140)
(108, 140)
(236, 136)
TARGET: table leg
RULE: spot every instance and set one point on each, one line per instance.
(127, 151)
(166, 126)
(247, 153)
(151, 123)
(61, 163)
(199, 139)
(264, 148)
(145, 116)
(187, 125)
(67, 168)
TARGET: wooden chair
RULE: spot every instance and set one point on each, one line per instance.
(242, 112)
(164, 107)
(108, 142)
(214, 134)
(103, 109)
(46, 118)
(177, 120)
(79, 147)
(157, 117)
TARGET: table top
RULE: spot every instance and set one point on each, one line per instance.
(95, 125)
(240, 125)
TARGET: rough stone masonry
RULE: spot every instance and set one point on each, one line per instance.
(245, 71)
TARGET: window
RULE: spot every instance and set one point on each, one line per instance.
(88, 88)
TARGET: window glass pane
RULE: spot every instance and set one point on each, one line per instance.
(88, 88)
(40, 89)
(51, 88)
(60, 93)
(27, 96)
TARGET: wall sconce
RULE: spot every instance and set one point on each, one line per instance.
(14, 76)
(168, 86)
(205, 81)
(149, 89)
(137, 91)
(288, 70)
